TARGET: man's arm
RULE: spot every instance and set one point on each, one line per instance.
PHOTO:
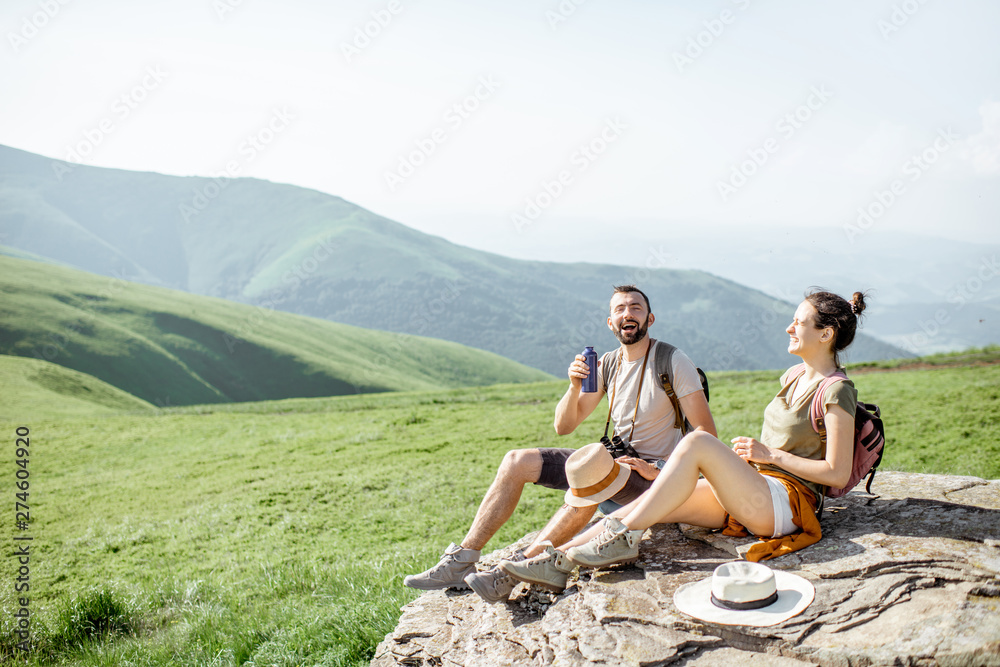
(687, 384)
(695, 408)
(576, 405)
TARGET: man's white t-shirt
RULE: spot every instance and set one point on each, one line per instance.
(654, 436)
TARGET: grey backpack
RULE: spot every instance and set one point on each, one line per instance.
(663, 355)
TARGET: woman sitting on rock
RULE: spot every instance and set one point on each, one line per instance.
(775, 496)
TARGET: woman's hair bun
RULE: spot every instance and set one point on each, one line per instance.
(858, 303)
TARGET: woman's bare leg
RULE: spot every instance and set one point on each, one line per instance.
(736, 486)
(700, 509)
(677, 494)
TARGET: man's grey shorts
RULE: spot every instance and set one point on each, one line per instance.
(553, 476)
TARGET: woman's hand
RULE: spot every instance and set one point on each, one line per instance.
(645, 468)
(752, 451)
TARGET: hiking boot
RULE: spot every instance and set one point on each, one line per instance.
(549, 569)
(494, 585)
(615, 544)
(450, 572)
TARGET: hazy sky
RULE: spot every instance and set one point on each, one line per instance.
(506, 124)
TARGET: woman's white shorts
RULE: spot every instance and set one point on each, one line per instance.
(782, 507)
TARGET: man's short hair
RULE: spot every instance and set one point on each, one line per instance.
(625, 289)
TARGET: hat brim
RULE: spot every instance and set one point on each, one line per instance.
(794, 595)
(599, 497)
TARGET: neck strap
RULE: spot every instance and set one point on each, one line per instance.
(614, 388)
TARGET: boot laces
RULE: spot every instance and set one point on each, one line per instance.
(443, 563)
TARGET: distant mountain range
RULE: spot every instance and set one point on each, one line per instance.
(310, 253)
(928, 294)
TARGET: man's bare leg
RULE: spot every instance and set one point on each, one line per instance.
(565, 523)
(519, 467)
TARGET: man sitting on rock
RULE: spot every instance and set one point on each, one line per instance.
(644, 417)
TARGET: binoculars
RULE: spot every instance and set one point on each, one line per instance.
(618, 447)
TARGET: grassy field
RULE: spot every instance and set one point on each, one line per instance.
(277, 533)
(172, 348)
(36, 389)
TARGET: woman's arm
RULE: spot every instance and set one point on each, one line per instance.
(834, 470)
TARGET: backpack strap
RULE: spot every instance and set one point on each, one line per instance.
(638, 393)
(816, 409)
(816, 414)
(665, 369)
(663, 362)
(663, 357)
(609, 365)
(664, 365)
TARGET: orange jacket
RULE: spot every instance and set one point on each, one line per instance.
(803, 502)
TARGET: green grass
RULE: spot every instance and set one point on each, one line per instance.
(258, 530)
(172, 348)
(971, 357)
(943, 420)
(277, 533)
(36, 389)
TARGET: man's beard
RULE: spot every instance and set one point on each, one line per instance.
(633, 336)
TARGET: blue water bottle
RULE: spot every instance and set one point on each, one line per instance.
(590, 382)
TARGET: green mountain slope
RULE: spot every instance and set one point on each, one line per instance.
(36, 389)
(306, 252)
(172, 348)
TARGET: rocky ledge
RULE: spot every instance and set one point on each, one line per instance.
(911, 577)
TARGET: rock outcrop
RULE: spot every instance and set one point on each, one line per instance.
(911, 577)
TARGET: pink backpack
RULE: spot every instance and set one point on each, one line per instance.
(869, 435)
